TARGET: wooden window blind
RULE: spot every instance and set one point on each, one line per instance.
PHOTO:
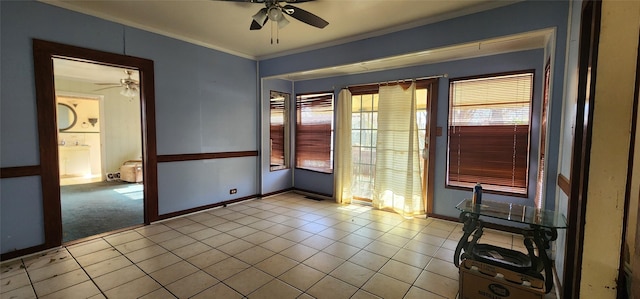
(314, 132)
(489, 132)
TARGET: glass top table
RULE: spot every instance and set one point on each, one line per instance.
(515, 213)
(542, 229)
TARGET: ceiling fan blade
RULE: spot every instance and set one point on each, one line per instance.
(305, 16)
(107, 88)
(114, 84)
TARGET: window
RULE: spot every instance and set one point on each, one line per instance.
(489, 131)
(314, 132)
(364, 131)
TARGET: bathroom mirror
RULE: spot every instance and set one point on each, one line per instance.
(279, 130)
(67, 117)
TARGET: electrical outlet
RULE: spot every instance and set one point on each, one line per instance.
(233, 191)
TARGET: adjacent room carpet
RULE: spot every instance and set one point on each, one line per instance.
(95, 208)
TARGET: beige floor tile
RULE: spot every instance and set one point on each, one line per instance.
(296, 235)
(22, 292)
(362, 294)
(276, 264)
(356, 240)
(317, 242)
(82, 290)
(347, 226)
(333, 233)
(118, 277)
(178, 222)
(134, 245)
(422, 248)
(258, 237)
(261, 224)
(53, 270)
(275, 289)
(386, 287)
(430, 239)
(204, 234)
(164, 236)
(123, 237)
(107, 266)
(97, 257)
(381, 248)
(301, 276)
(254, 255)
(134, 289)
(332, 288)
(412, 258)
(153, 229)
(299, 252)
(235, 247)
(395, 240)
(47, 258)
(161, 293)
(324, 262)
(436, 232)
(173, 273)
(418, 293)
(207, 258)
(445, 254)
(369, 233)
(277, 244)
(192, 249)
(438, 284)
(444, 268)
(226, 268)
(227, 226)
(401, 271)
(369, 260)
(177, 242)
(246, 220)
(191, 228)
(146, 253)
(16, 281)
(353, 274)
(341, 250)
(192, 284)
(242, 231)
(248, 280)
(219, 240)
(158, 262)
(60, 282)
(85, 248)
(450, 244)
(279, 229)
(11, 268)
(220, 290)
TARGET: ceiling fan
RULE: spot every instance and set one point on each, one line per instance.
(276, 12)
(129, 85)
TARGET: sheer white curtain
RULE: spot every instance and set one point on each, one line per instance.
(398, 182)
(343, 168)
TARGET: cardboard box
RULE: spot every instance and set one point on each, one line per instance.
(479, 280)
(131, 171)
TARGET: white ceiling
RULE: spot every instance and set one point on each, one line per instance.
(224, 26)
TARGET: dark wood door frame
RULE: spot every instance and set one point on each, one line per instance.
(579, 173)
(43, 52)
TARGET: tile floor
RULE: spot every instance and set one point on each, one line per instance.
(285, 246)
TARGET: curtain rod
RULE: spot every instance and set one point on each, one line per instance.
(402, 80)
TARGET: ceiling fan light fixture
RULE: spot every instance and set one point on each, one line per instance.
(260, 17)
(275, 14)
(129, 92)
(282, 22)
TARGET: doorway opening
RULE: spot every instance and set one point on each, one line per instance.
(145, 157)
(99, 148)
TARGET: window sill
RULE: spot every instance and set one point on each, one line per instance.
(491, 189)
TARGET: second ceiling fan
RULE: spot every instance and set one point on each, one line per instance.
(276, 12)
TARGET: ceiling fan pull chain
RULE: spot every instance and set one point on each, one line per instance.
(271, 23)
